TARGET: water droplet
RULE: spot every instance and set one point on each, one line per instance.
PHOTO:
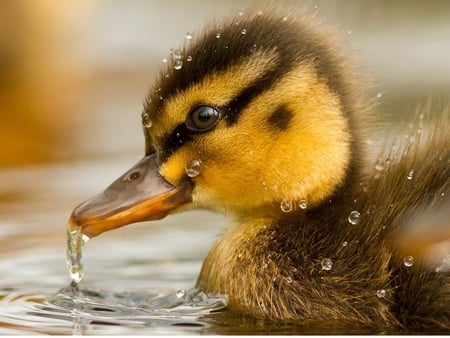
(327, 264)
(264, 265)
(188, 36)
(379, 167)
(345, 243)
(289, 280)
(161, 98)
(240, 13)
(349, 32)
(381, 293)
(379, 95)
(408, 261)
(354, 216)
(193, 169)
(164, 60)
(146, 121)
(177, 54)
(244, 31)
(180, 293)
(410, 175)
(189, 58)
(303, 204)
(177, 64)
(284, 18)
(259, 13)
(218, 35)
(286, 206)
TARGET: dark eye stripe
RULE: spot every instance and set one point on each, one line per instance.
(171, 142)
(181, 134)
(263, 83)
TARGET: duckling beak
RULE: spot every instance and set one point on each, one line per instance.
(141, 194)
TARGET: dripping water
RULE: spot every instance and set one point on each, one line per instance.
(75, 241)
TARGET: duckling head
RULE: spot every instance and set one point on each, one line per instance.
(255, 112)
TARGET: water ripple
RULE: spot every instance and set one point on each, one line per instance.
(86, 311)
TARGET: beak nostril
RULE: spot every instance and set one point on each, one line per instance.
(133, 176)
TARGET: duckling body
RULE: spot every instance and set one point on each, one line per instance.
(316, 264)
(260, 118)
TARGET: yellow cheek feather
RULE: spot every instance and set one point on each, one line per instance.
(251, 166)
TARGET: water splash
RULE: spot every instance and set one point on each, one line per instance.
(131, 309)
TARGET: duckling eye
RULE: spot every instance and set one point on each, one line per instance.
(202, 118)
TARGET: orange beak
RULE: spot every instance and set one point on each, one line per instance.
(141, 194)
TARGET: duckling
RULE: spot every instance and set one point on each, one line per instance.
(262, 119)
